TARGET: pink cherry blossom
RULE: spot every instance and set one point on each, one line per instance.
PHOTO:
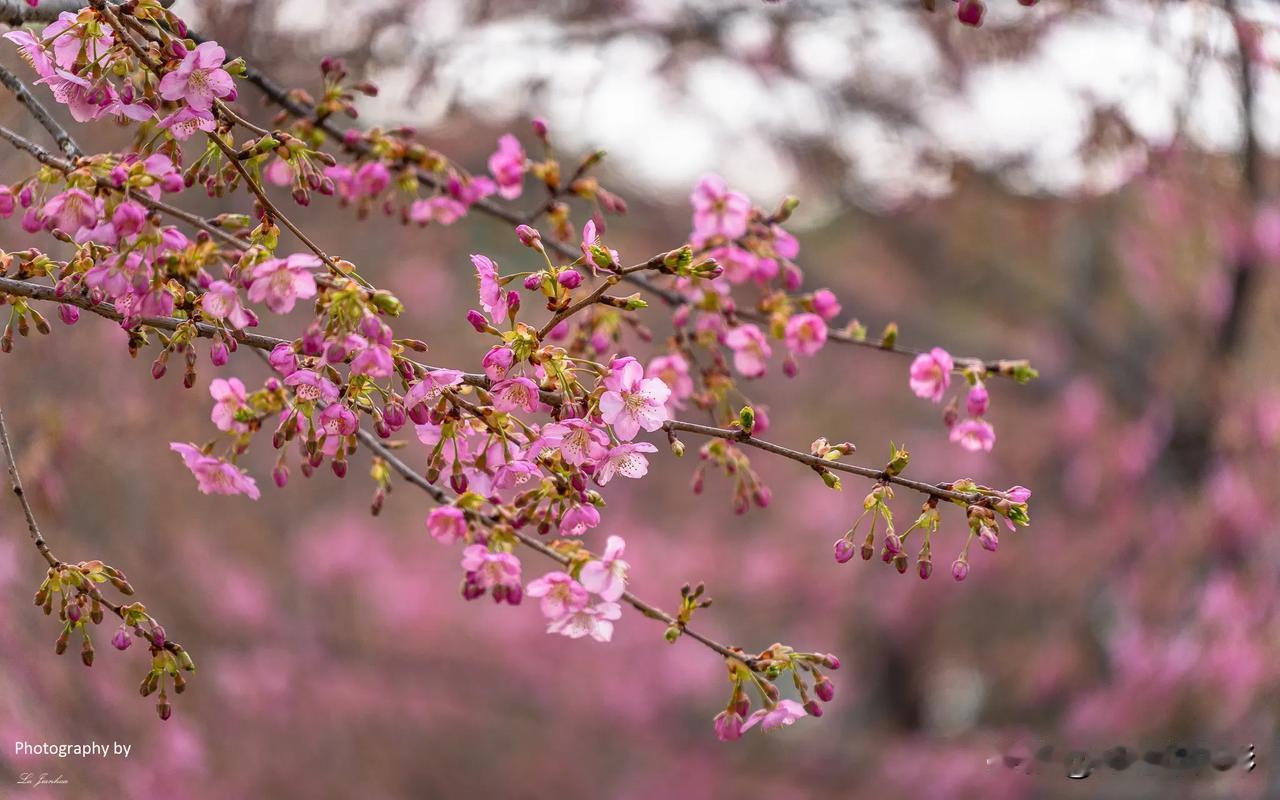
(447, 524)
(491, 569)
(491, 296)
(184, 122)
(442, 209)
(673, 370)
(786, 712)
(560, 594)
(427, 392)
(825, 304)
(718, 211)
(625, 460)
(931, 374)
(281, 282)
(607, 576)
(806, 334)
(580, 518)
(72, 210)
(978, 400)
(337, 420)
(497, 362)
(515, 393)
(222, 302)
(214, 475)
(594, 621)
(593, 252)
(310, 387)
(507, 165)
(578, 440)
(230, 397)
(199, 79)
(728, 725)
(974, 435)
(750, 350)
(633, 401)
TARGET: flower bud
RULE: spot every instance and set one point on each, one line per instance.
(570, 278)
(121, 639)
(844, 550)
(68, 314)
(813, 709)
(824, 689)
(960, 569)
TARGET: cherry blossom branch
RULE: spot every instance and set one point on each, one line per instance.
(441, 496)
(20, 12)
(265, 343)
(287, 101)
(940, 491)
(50, 160)
(132, 615)
(41, 114)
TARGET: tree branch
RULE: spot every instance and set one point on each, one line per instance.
(37, 109)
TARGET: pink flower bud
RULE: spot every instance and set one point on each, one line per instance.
(68, 314)
(570, 279)
(218, 354)
(844, 551)
(971, 11)
(540, 128)
(477, 321)
(825, 690)
(280, 475)
(988, 538)
(532, 282)
(122, 640)
(978, 400)
(813, 709)
(728, 726)
(529, 236)
(960, 569)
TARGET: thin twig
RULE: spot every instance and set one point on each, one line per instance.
(15, 484)
(41, 114)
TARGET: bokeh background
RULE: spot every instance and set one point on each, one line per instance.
(1090, 185)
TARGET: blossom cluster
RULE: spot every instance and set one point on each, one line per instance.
(557, 412)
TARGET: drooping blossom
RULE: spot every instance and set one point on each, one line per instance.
(728, 725)
(578, 440)
(491, 296)
(594, 621)
(281, 282)
(974, 435)
(931, 374)
(337, 420)
(230, 397)
(673, 370)
(199, 79)
(806, 334)
(497, 362)
(560, 594)
(751, 350)
(184, 122)
(221, 301)
(215, 475)
(595, 254)
(978, 400)
(72, 210)
(718, 211)
(426, 392)
(491, 569)
(825, 304)
(633, 401)
(507, 165)
(283, 359)
(625, 460)
(607, 576)
(580, 518)
(515, 393)
(447, 524)
(310, 386)
(442, 209)
(786, 712)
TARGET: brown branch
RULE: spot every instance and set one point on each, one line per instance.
(19, 12)
(50, 160)
(15, 482)
(41, 114)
